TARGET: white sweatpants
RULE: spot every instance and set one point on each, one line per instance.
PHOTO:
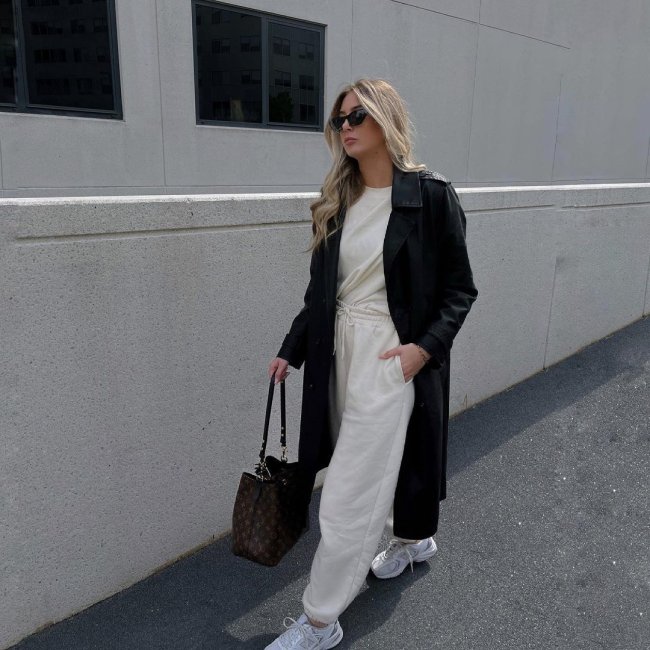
(370, 407)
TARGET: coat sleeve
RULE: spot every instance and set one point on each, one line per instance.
(294, 346)
(458, 290)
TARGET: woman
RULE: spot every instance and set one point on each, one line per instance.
(390, 287)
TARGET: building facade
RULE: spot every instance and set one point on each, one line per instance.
(167, 97)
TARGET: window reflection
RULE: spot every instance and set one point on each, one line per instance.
(232, 61)
(229, 65)
(67, 54)
(293, 89)
(7, 53)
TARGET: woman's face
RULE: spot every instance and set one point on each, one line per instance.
(365, 140)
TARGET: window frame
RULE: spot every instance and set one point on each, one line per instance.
(265, 45)
(22, 105)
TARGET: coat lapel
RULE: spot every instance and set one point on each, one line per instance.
(405, 194)
(331, 266)
(399, 226)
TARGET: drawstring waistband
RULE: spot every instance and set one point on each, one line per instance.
(347, 315)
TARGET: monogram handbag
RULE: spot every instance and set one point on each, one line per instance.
(271, 506)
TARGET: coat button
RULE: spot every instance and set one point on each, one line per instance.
(317, 341)
(421, 405)
(311, 386)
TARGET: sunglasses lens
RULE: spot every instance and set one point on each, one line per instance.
(356, 117)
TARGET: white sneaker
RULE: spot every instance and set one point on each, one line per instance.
(398, 555)
(300, 635)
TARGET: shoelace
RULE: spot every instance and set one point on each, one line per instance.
(301, 632)
(394, 547)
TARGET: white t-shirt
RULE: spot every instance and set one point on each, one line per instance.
(361, 262)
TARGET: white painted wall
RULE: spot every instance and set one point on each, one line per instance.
(501, 91)
(136, 333)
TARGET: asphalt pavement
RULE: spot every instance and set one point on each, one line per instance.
(544, 539)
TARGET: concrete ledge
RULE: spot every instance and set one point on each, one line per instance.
(136, 335)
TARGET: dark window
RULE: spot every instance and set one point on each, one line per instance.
(45, 27)
(307, 112)
(306, 51)
(281, 46)
(251, 76)
(85, 86)
(78, 26)
(273, 78)
(249, 43)
(221, 46)
(49, 56)
(7, 53)
(220, 77)
(219, 17)
(282, 78)
(59, 57)
(100, 25)
(306, 82)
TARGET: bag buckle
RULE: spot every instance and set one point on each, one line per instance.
(262, 471)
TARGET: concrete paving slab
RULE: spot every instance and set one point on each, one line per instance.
(543, 539)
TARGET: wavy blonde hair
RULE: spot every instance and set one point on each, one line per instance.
(343, 184)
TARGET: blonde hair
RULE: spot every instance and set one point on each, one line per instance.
(343, 184)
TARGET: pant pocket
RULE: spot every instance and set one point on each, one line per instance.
(398, 368)
(398, 362)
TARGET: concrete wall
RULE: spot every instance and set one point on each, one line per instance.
(136, 334)
(501, 91)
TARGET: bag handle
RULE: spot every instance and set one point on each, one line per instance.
(260, 468)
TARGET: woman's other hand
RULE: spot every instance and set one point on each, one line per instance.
(411, 356)
(278, 367)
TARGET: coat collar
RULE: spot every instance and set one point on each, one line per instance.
(406, 189)
(405, 194)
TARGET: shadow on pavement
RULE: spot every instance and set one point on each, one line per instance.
(214, 600)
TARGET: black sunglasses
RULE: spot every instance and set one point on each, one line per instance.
(354, 118)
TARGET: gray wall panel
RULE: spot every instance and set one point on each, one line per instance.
(603, 128)
(515, 108)
(512, 261)
(600, 281)
(137, 334)
(466, 9)
(432, 65)
(544, 19)
(428, 48)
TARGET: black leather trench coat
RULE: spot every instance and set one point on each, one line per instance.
(430, 290)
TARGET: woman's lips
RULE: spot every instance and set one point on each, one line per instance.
(349, 140)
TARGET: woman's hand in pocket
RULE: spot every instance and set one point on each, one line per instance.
(411, 359)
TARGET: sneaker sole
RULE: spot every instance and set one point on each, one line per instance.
(334, 640)
(421, 558)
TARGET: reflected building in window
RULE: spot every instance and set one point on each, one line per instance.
(67, 52)
(253, 68)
